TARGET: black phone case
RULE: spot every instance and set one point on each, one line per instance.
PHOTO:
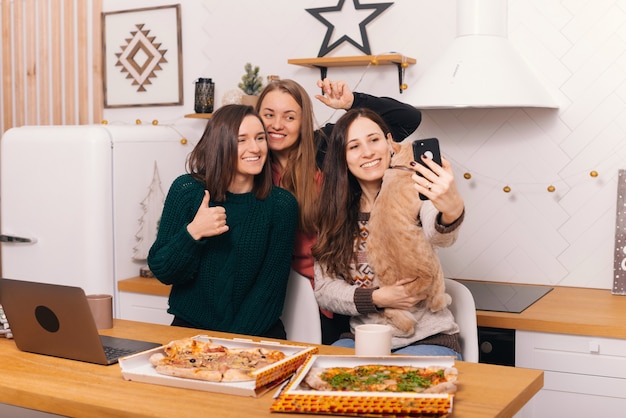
(429, 146)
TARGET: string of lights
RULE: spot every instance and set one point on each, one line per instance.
(154, 122)
(468, 174)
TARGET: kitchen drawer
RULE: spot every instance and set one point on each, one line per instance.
(583, 376)
(144, 308)
(573, 396)
(593, 356)
(605, 387)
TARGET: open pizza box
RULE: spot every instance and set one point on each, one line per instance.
(296, 397)
(138, 368)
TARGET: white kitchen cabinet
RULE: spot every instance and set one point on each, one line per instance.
(144, 308)
(584, 376)
(93, 181)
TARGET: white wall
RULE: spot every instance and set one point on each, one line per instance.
(527, 236)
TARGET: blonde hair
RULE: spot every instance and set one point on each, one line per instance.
(301, 172)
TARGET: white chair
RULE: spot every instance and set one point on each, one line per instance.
(464, 310)
(301, 314)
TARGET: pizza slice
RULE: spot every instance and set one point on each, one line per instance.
(203, 360)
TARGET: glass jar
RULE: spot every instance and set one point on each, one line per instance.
(205, 91)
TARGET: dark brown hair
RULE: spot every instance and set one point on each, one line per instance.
(213, 161)
(340, 199)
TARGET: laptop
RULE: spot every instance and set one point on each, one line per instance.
(56, 320)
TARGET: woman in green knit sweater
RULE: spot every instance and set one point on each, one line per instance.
(226, 235)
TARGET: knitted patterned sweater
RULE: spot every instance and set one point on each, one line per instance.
(234, 282)
(355, 299)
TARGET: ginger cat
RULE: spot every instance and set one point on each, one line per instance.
(396, 245)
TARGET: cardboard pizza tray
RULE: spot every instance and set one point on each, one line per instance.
(137, 368)
(294, 399)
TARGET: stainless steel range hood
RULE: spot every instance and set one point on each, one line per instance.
(480, 68)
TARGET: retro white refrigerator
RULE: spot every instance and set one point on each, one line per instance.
(79, 204)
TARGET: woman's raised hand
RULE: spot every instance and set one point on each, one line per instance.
(439, 186)
(337, 94)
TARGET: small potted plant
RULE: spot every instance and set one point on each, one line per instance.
(251, 84)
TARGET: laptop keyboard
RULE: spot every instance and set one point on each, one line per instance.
(113, 353)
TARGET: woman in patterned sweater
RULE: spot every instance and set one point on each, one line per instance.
(226, 235)
(359, 152)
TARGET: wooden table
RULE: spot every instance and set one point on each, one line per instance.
(73, 388)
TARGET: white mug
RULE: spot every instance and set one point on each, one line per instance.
(372, 340)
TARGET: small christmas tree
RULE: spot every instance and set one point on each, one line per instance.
(251, 82)
(152, 206)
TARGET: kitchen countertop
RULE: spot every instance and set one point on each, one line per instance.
(145, 285)
(564, 310)
(567, 310)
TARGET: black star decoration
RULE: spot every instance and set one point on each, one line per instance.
(364, 45)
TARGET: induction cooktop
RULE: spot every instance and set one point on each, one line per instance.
(504, 297)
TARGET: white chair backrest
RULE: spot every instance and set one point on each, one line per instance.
(302, 322)
(463, 308)
(301, 314)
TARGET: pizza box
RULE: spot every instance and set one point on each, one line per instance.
(137, 368)
(293, 398)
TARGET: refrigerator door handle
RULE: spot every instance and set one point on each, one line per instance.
(11, 238)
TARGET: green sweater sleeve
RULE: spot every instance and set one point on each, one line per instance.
(175, 255)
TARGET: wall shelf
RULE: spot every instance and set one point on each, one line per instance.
(323, 63)
(199, 115)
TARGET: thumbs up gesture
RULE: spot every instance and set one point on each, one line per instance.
(209, 221)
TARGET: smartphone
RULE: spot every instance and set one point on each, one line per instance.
(428, 147)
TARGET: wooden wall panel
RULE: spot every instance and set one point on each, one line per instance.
(98, 68)
(55, 81)
(43, 64)
(7, 62)
(18, 64)
(31, 64)
(83, 64)
(48, 73)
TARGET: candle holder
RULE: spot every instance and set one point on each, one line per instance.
(205, 93)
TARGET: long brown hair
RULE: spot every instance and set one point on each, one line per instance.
(340, 199)
(300, 174)
(213, 161)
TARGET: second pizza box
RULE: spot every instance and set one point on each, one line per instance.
(138, 368)
(297, 398)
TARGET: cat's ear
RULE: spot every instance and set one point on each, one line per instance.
(394, 147)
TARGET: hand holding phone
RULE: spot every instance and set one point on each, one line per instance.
(430, 148)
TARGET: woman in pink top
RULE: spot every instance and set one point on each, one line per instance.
(297, 150)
